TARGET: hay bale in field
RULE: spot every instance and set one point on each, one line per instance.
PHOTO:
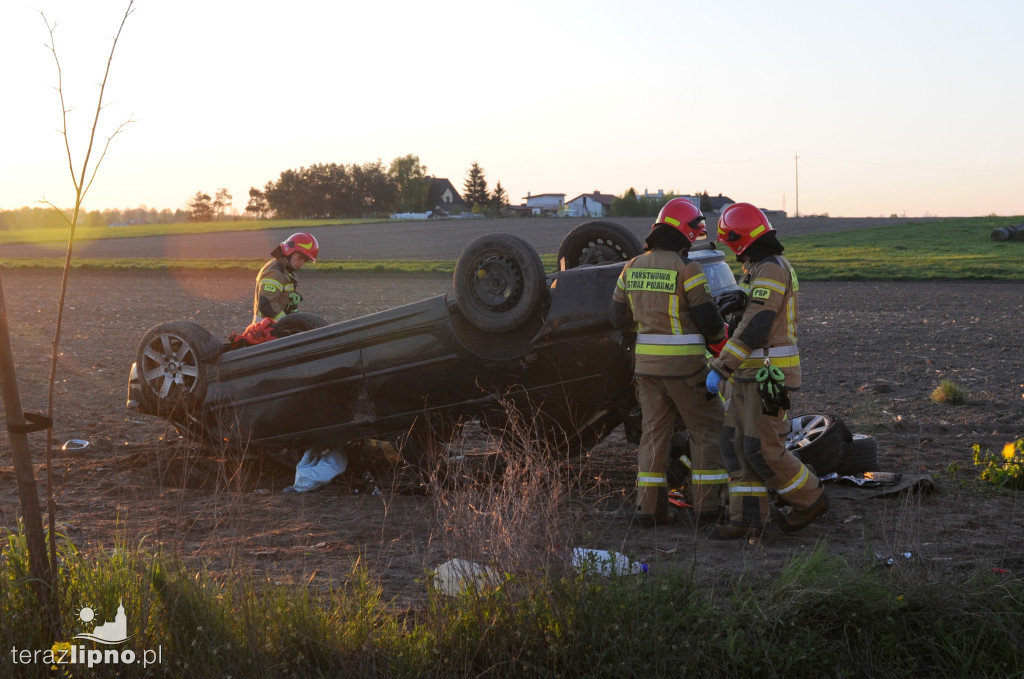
(1015, 232)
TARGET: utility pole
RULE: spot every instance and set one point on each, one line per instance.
(796, 160)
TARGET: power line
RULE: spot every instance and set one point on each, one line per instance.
(796, 161)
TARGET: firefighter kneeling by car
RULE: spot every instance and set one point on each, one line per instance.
(665, 297)
(277, 286)
(277, 293)
(762, 360)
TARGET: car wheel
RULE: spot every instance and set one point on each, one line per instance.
(499, 282)
(818, 440)
(597, 242)
(172, 366)
(300, 321)
(860, 455)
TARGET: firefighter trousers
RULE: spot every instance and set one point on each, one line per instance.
(754, 451)
(663, 400)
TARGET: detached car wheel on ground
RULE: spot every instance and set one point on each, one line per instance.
(818, 440)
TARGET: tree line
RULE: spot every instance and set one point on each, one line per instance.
(32, 218)
(329, 191)
(631, 205)
(336, 190)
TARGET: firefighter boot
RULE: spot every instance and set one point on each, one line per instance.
(663, 514)
(790, 519)
(735, 531)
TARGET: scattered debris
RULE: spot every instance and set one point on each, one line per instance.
(317, 468)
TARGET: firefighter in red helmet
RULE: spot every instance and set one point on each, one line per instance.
(664, 297)
(762, 360)
(276, 284)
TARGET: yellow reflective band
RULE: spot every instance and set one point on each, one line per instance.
(780, 362)
(653, 338)
(673, 314)
(772, 284)
(651, 280)
(747, 490)
(733, 350)
(669, 350)
(645, 479)
(279, 316)
(798, 481)
(691, 283)
(792, 276)
(754, 233)
(791, 319)
(671, 221)
(708, 477)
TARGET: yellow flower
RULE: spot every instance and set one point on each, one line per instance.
(1008, 451)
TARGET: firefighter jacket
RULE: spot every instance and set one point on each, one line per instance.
(276, 293)
(672, 311)
(768, 325)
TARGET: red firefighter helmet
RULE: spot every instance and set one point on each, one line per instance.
(301, 242)
(684, 216)
(740, 225)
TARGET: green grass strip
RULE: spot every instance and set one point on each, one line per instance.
(942, 250)
(954, 250)
(84, 233)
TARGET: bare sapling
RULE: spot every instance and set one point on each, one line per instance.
(43, 571)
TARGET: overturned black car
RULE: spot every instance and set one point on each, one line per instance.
(513, 347)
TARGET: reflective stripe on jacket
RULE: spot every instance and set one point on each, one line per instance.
(772, 286)
(276, 291)
(660, 288)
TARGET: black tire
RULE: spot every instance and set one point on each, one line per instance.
(300, 321)
(172, 361)
(499, 282)
(597, 242)
(818, 440)
(860, 455)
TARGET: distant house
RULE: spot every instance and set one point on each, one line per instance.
(719, 203)
(594, 204)
(443, 197)
(546, 203)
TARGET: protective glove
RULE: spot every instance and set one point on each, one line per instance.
(734, 300)
(712, 382)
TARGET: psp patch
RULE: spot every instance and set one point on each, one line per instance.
(760, 293)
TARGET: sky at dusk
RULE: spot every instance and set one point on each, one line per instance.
(893, 107)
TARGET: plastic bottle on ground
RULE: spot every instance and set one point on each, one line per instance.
(605, 563)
